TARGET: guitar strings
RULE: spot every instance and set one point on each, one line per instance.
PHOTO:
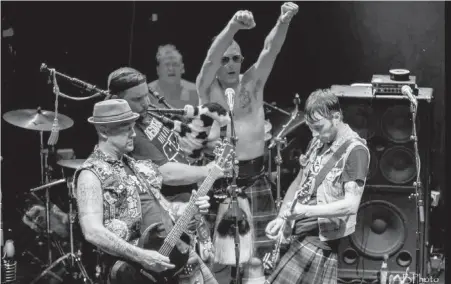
(175, 234)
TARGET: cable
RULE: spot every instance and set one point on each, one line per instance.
(132, 28)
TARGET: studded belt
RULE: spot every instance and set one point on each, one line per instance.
(189, 269)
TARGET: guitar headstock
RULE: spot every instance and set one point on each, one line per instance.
(224, 154)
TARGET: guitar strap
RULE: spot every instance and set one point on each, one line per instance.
(168, 224)
(331, 163)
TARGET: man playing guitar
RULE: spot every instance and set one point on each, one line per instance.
(109, 186)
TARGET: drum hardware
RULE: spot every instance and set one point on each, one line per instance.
(74, 259)
(42, 121)
(295, 114)
(278, 160)
(280, 141)
(273, 106)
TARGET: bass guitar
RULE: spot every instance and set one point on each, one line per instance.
(174, 244)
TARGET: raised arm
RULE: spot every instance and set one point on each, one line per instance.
(90, 209)
(273, 44)
(212, 63)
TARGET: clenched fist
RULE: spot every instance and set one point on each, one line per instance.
(287, 11)
(243, 20)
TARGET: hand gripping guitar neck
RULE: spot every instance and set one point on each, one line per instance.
(172, 245)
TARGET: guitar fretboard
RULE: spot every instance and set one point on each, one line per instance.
(191, 209)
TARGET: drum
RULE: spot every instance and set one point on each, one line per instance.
(59, 221)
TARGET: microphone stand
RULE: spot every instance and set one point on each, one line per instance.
(418, 195)
(234, 199)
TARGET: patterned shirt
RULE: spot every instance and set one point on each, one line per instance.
(121, 190)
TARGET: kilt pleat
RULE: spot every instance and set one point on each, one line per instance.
(305, 263)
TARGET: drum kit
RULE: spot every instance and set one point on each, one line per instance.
(43, 122)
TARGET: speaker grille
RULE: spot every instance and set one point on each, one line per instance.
(396, 124)
(360, 119)
(397, 165)
(381, 229)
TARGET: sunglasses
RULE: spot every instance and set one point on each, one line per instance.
(236, 59)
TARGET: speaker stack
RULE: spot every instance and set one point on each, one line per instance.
(387, 221)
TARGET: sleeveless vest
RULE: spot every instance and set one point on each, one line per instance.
(331, 189)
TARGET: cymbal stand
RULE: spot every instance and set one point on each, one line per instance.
(278, 160)
(45, 178)
(74, 258)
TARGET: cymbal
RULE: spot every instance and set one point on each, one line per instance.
(37, 119)
(72, 163)
(298, 121)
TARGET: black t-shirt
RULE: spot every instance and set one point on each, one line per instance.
(158, 143)
(355, 169)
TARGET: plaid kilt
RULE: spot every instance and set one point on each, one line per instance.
(262, 207)
(305, 263)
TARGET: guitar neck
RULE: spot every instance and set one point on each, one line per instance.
(191, 209)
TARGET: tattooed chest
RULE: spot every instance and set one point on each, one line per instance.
(244, 98)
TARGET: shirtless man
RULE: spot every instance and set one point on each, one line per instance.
(221, 70)
(177, 91)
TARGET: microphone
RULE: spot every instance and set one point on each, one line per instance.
(230, 95)
(188, 111)
(407, 91)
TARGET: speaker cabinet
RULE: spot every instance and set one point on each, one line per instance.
(387, 219)
(386, 225)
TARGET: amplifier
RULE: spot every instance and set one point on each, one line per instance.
(392, 84)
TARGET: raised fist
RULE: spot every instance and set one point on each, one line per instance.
(243, 20)
(287, 11)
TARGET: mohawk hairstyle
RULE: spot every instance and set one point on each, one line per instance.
(323, 102)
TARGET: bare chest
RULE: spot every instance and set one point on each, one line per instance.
(245, 103)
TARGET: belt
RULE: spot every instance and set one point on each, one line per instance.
(189, 269)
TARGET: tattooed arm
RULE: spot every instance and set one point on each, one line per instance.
(347, 206)
(90, 209)
(212, 63)
(353, 180)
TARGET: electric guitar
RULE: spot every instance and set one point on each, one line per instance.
(172, 244)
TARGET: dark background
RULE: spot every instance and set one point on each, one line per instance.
(328, 43)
